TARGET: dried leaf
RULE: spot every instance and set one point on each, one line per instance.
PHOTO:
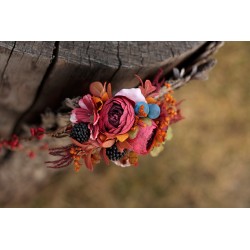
(108, 143)
(105, 96)
(147, 88)
(133, 158)
(76, 143)
(109, 90)
(96, 89)
(88, 162)
(104, 156)
(123, 137)
(123, 145)
(156, 81)
(139, 78)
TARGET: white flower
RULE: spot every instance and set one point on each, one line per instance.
(123, 165)
(133, 94)
(73, 118)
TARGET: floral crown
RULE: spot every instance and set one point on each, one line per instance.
(116, 128)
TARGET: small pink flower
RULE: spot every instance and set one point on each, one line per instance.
(144, 139)
(86, 113)
(117, 116)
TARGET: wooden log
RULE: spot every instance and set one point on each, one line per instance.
(39, 75)
(36, 75)
(22, 68)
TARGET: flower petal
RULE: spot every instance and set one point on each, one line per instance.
(81, 104)
(86, 102)
(83, 115)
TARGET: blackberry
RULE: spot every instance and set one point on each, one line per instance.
(80, 132)
(113, 153)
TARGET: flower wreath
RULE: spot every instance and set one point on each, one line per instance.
(116, 128)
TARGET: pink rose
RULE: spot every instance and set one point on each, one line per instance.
(117, 116)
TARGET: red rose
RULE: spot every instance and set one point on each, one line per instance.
(117, 116)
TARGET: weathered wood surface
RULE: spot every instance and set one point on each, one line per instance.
(39, 75)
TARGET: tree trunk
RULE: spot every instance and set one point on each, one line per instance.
(35, 76)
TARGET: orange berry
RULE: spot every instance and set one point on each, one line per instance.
(76, 163)
(77, 168)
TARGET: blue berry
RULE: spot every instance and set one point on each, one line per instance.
(141, 109)
(154, 111)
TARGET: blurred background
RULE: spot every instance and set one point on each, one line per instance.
(206, 164)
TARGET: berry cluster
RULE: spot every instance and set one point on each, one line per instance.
(113, 153)
(80, 132)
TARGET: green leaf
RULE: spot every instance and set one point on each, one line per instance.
(133, 133)
(156, 151)
(147, 121)
(169, 134)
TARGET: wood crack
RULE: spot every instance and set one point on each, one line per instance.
(39, 56)
(172, 52)
(16, 129)
(3, 83)
(48, 71)
(119, 62)
(142, 60)
(87, 53)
